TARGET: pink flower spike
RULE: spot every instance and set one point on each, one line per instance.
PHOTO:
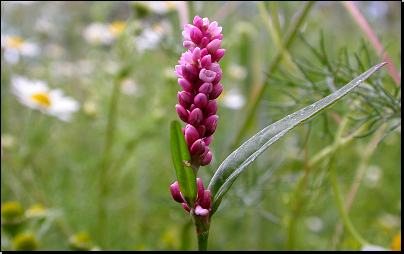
(200, 188)
(211, 129)
(207, 75)
(209, 121)
(200, 211)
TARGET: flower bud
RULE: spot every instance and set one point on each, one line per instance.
(206, 201)
(216, 91)
(200, 188)
(186, 207)
(182, 113)
(195, 117)
(213, 46)
(196, 55)
(195, 35)
(200, 100)
(211, 109)
(207, 159)
(176, 193)
(191, 135)
(189, 72)
(197, 147)
(208, 139)
(186, 85)
(205, 88)
(218, 55)
(206, 61)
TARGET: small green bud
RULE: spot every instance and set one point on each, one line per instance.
(11, 211)
(12, 217)
(25, 242)
(81, 242)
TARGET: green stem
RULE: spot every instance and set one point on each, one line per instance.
(106, 162)
(340, 204)
(337, 193)
(202, 225)
(258, 93)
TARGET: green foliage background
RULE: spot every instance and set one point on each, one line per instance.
(65, 166)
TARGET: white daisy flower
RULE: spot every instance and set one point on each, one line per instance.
(37, 95)
(14, 46)
(99, 33)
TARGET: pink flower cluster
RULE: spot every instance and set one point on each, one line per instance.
(199, 75)
(203, 200)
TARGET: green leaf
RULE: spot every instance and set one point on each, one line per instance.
(181, 157)
(237, 162)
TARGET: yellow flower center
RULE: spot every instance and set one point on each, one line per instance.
(14, 42)
(117, 27)
(397, 243)
(42, 98)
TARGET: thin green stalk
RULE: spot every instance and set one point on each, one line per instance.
(106, 160)
(337, 193)
(340, 205)
(276, 35)
(360, 171)
(202, 225)
(257, 94)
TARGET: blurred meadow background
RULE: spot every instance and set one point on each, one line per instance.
(92, 169)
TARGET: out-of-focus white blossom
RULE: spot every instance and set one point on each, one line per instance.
(14, 46)
(99, 33)
(37, 95)
(150, 38)
(373, 248)
(233, 99)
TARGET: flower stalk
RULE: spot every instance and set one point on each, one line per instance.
(199, 76)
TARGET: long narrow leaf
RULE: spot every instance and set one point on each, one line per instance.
(185, 174)
(237, 162)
